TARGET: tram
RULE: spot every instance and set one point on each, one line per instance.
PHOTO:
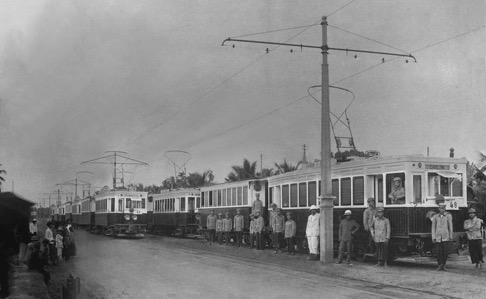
(355, 181)
(174, 212)
(87, 211)
(115, 207)
(76, 211)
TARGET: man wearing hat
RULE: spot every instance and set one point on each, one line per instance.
(257, 205)
(290, 230)
(278, 227)
(219, 228)
(441, 232)
(312, 233)
(472, 226)
(397, 195)
(272, 213)
(380, 230)
(347, 228)
(258, 227)
(239, 222)
(227, 226)
(368, 216)
(211, 225)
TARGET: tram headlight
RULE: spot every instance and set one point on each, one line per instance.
(127, 217)
(134, 217)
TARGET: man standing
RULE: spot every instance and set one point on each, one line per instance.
(347, 228)
(211, 225)
(257, 205)
(33, 227)
(271, 214)
(258, 227)
(227, 226)
(219, 228)
(239, 222)
(368, 216)
(252, 230)
(312, 233)
(380, 230)
(472, 226)
(278, 227)
(441, 232)
(290, 230)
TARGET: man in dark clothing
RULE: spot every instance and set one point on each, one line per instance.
(347, 228)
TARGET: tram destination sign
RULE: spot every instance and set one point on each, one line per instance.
(437, 167)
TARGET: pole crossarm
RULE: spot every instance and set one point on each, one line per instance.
(323, 48)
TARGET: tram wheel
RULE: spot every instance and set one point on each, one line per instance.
(360, 253)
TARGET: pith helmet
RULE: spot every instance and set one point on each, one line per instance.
(471, 210)
(313, 207)
(380, 209)
(371, 199)
(347, 212)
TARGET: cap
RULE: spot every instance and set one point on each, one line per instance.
(441, 204)
(347, 212)
(289, 213)
(471, 210)
(273, 204)
(380, 209)
(439, 199)
(313, 207)
(238, 210)
(397, 179)
(34, 220)
(257, 213)
(227, 213)
(371, 199)
(220, 214)
(34, 238)
(279, 209)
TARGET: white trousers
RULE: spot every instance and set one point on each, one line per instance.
(313, 244)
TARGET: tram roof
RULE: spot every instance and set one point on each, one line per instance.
(176, 193)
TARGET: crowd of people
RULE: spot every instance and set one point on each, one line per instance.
(375, 224)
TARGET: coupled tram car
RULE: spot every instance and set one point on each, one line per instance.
(419, 179)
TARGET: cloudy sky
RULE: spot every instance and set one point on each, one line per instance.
(78, 78)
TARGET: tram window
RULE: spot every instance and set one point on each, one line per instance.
(198, 202)
(319, 189)
(311, 187)
(182, 204)
(293, 195)
(245, 196)
(457, 187)
(358, 190)
(446, 186)
(210, 197)
(346, 191)
(219, 198)
(335, 191)
(233, 196)
(395, 188)
(285, 196)
(302, 194)
(223, 197)
(240, 196)
(129, 203)
(112, 205)
(417, 188)
(143, 203)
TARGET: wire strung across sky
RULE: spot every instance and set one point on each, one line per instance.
(307, 96)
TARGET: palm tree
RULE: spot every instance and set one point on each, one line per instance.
(240, 173)
(266, 172)
(2, 179)
(285, 167)
(196, 179)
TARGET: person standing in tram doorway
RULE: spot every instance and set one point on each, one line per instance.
(397, 195)
(381, 230)
(239, 222)
(312, 233)
(441, 232)
(368, 216)
(257, 205)
(211, 225)
(473, 231)
(347, 228)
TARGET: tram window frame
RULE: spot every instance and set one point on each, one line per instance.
(294, 195)
(240, 196)
(286, 196)
(143, 202)
(245, 195)
(233, 196)
(223, 197)
(417, 188)
(311, 195)
(436, 187)
(128, 202)
(228, 197)
(198, 202)
(389, 181)
(182, 204)
(335, 191)
(358, 190)
(346, 184)
(211, 198)
(302, 194)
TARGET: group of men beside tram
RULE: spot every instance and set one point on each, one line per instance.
(376, 226)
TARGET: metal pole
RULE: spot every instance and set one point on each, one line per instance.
(114, 173)
(327, 200)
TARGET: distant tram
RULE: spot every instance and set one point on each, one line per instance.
(355, 181)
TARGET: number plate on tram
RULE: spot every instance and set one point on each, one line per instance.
(452, 204)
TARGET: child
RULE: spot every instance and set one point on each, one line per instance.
(219, 228)
(59, 244)
(380, 230)
(290, 230)
(252, 230)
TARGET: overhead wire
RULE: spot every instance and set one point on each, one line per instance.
(340, 8)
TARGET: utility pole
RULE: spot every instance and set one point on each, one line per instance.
(326, 198)
(119, 154)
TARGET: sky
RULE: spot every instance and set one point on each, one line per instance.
(79, 78)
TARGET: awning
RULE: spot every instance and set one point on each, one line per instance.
(449, 174)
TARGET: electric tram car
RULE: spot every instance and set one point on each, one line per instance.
(121, 213)
(68, 211)
(174, 212)
(86, 213)
(355, 181)
(229, 196)
(76, 211)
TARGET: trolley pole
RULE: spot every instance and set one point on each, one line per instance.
(327, 200)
